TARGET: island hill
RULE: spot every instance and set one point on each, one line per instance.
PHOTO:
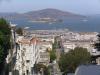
(45, 15)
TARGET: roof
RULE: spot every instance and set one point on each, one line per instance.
(88, 70)
(24, 41)
(33, 40)
(28, 41)
(88, 33)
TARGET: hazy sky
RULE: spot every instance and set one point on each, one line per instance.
(76, 6)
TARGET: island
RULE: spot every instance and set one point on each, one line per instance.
(47, 20)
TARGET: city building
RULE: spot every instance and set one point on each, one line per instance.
(27, 55)
(44, 49)
(44, 58)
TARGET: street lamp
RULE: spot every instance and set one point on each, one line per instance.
(13, 46)
(13, 26)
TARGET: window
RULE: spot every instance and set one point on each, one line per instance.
(27, 61)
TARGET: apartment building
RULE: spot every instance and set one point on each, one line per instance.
(45, 47)
(27, 55)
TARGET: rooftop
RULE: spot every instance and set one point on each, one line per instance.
(88, 70)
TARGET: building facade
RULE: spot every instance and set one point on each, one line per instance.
(27, 56)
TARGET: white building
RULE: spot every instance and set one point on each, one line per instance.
(31, 51)
(82, 39)
(68, 45)
(44, 58)
(27, 56)
(86, 36)
(45, 46)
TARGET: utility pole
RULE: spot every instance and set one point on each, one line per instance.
(13, 47)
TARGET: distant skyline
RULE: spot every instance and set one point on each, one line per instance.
(84, 7)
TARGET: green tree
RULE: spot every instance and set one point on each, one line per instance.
(1, 54)
(56, 43)
(19, 31)
(4, 27)
(52, 55)
(53, 52)
(71, 60)
(97, 45)
(4, 41)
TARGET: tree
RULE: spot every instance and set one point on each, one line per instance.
(1, 54)
(97, 45)
(56, 43)
(4, 41)
(71, 60)
(19, 31)
(52, 56)
(4, 27)
(53, 52)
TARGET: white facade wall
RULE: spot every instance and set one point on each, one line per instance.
(44, 55)
(86, 36)
(27, 56)
(44, 58)
(47, 39)
(71, 45)
(44, 46)
(68, 46)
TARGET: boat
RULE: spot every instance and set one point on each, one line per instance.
(84, 20)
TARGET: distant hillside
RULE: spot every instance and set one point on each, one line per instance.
(45, 13)
(12, 15)
(52, 13)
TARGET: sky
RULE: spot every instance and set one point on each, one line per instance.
(85, 7)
